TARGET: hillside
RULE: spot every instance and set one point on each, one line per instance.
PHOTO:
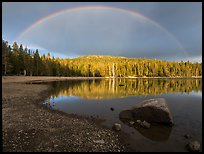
(101, 57)
(109, 58)
(20, 61)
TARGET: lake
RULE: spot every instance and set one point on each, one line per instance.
(94, 98)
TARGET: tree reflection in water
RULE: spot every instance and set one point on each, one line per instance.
(117, 88)
(110, 88)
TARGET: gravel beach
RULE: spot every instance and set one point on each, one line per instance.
(30, 126)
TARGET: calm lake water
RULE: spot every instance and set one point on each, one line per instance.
(94, 98)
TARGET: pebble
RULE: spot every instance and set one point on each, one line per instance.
(131, 122)
(55, 145)
(187, 136)
(138, 121)
(117, 127)
(99, 141)
(112, 109)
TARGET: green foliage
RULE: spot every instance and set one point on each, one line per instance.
(16, 61)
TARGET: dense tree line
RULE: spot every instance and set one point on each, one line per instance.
(17, 60)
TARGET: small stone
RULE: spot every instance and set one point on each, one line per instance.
(20, 131)
(145, 124)
(138, 121)
(131, 122)
(193, 146)
(55, 145)
(187, 136)
(99, 141)
(117, 127)
(112, 109)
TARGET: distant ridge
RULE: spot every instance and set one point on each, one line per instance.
(99, 57)
(109, 58)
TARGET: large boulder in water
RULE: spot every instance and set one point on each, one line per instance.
(152, 110)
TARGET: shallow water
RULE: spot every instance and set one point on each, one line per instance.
(94, 98)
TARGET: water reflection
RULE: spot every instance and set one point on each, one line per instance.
(115, 88)
(94, 98)
(156, 132)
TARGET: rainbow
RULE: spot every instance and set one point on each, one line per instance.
(130, 12)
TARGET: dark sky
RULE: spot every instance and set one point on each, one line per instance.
(169, 31)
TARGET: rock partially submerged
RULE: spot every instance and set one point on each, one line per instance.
(152, 110)
(193, 146)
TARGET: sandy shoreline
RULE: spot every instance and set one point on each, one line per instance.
(15, 79)
(30, 126)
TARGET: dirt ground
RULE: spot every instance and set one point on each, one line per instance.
(30, 126)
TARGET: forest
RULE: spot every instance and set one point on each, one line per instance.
(17, 60)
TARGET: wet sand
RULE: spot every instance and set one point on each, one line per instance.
(30, 126)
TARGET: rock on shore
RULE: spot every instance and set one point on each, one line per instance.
(152, 110)
(117, 127)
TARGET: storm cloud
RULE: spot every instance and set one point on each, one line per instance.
(111, 32)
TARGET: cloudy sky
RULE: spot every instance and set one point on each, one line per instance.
(168, 31)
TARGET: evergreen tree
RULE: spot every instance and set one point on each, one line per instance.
(16, 60)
